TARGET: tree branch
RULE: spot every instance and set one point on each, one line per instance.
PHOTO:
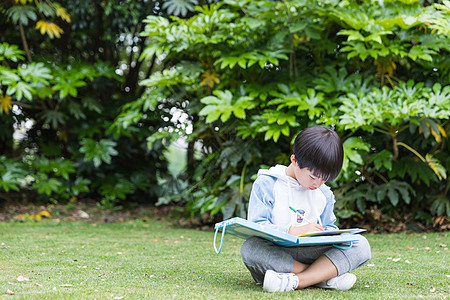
(24, 105)
(24, 41)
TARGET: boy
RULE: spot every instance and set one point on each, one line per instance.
(318, 156)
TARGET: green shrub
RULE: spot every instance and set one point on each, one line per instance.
(252, 74)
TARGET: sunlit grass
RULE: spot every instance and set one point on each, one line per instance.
(137, 260)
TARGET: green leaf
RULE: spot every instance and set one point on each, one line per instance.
(179, 7)
(76, 110)
(229, 61)
(333, 80)
(223, 105)
(405, 194)
(273, 123)
(352, 35)
(150, 50)
(313, 31)
(98, 151)
(382, 159)
(35, 72)
(92, 104)
(68, 86)
(381, 192)
(9, 181)
(11, 52)
(298, 26)
(393, 196)
(361, 204)
(53, 118)
(21, 13)
(45, 185)
(81, 185)
(352, 147)
(45, 8)
(42, 164)
(62, 167)
(21, 89)
(392, 190)
(118, 189)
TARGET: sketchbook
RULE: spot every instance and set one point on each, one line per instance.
(334, 232)
(244, 229)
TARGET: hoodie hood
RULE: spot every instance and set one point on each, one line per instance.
(279, 172)
(288, 193)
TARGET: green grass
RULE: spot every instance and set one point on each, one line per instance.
(138, 260)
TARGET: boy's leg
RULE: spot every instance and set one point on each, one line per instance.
(348, 260)
(320, 270)
(260, 255)
(332, 263)
(344, 260)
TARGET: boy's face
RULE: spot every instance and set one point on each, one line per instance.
(305, 177)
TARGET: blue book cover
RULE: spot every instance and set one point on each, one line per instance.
(244, 229)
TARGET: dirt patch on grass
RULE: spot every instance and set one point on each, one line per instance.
(87, 210)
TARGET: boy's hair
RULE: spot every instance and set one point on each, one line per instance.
(320, 150)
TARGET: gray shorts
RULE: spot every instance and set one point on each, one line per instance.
(260, 255)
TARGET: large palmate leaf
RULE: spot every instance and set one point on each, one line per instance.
(8, 181)
(35, 72)
(272, 124)
(394, 191)
(21, 13)
(223, 105)
(11, 52)
(179, 7)
(68, 86)
(382, 159)
(53, 117)
(98, 151)
(353, 147)
(45, 185)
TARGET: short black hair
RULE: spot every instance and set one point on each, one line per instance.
(320, 150)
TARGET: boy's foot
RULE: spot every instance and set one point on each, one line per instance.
(279, 282)
(342, 282)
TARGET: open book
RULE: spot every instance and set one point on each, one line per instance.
(244, 229)
(334, 232)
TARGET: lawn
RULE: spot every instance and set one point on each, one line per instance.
(154, 260)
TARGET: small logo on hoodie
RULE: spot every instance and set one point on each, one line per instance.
(300, 215)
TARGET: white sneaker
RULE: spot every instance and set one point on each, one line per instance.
(279, 282)
(342, 282)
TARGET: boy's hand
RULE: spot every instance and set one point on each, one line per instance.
(304, 229)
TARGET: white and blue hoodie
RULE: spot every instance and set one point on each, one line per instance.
(273, 192)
